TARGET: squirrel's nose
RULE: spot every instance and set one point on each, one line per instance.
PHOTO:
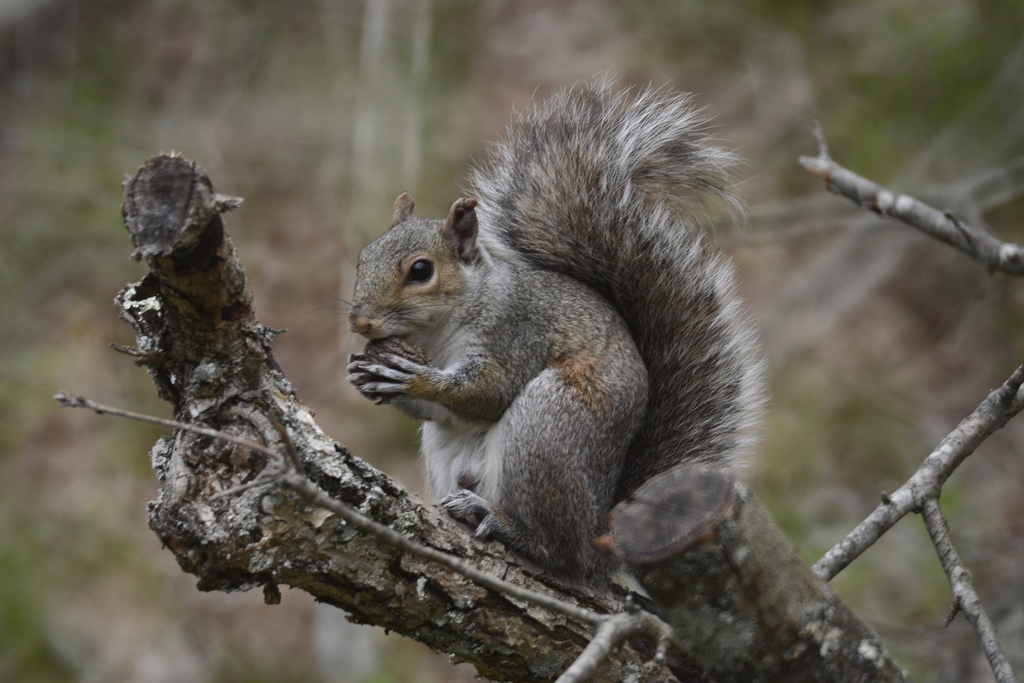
(359, 323)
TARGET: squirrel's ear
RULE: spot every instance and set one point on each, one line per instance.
(460, 228)
(403, 209)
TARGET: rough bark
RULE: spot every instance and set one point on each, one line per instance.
(743, 604)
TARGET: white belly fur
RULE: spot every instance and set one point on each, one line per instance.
(454, 448)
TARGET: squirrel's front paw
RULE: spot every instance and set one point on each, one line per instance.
(387, 377)
(468, 507)
(359, 376)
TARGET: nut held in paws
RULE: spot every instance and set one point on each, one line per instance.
(377, 348)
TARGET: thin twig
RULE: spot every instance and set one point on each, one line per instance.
(965, 598)
(67, 400)
(1000, 405)
(611, 634)
(975, 242)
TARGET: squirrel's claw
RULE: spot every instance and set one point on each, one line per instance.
(389, 373)
(376, 381)
(401, 363)
(468, 507)
(382, 388)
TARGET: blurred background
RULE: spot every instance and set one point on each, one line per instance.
(319, 113)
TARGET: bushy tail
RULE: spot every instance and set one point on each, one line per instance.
(608, 188)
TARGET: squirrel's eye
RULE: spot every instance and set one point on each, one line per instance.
(420, 271)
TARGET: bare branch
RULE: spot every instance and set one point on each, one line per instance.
(308, 490)
(292, 477)
(994, 412)
(68, 400)
(613, 630)
(612, 633)
(744, 605)
(975, 242)
(965, 598)
(921, 492)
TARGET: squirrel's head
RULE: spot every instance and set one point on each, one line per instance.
(409, 278)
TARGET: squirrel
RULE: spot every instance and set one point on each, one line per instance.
(568, 333)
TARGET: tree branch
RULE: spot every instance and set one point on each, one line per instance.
(965, 598)
(994, 412)
(921, 492)
(975, 242)
(290, 475)
(743, 604)
(611, 634)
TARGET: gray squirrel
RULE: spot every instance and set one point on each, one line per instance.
(569, 333)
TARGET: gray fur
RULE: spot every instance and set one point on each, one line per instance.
(607, 188)
(584, 336)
